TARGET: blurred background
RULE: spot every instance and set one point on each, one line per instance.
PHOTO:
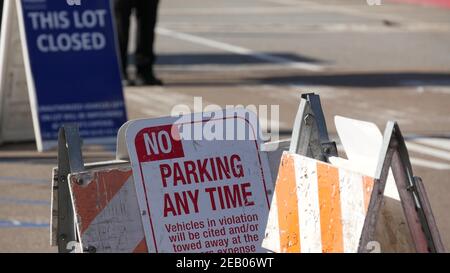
(370, 62)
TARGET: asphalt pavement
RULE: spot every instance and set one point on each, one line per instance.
(367, 62)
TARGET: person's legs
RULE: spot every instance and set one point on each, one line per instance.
(1, 12)
(122, 10)
(146, 15)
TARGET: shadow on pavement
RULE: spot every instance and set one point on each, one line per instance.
(369, 80)
(225, 59)
(366, 79)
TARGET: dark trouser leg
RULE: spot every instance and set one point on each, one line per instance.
(146, 15)
(122, 10)
(1, 12)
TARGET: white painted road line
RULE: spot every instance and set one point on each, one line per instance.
(238, 50)
(428, 151)
(435, 142)
(429, 164)
(6, 223)
(416, 161)
(220, 67)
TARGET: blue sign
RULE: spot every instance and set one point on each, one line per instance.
(75, 72)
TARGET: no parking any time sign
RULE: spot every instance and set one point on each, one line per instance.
(202, 182)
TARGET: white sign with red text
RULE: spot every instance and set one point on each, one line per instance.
(202, 182)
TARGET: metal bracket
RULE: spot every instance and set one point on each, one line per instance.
(415, 203)
(310, 134)
(70, 160)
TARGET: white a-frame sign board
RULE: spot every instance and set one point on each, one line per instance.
(64, 55)
(16, 123)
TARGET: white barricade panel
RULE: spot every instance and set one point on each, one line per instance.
(362, 142)
(316, 207)
(106, 210)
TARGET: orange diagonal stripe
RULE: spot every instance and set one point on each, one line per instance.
(367, 187)
(141, 247)
(287, 203)
(92, 199)
(330, 208)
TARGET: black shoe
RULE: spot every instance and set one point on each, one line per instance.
(126, 82)
(147, 80)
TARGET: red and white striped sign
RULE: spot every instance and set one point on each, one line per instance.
(106, 211)
(316, 207)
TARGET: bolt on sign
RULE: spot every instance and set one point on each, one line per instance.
(203, 185)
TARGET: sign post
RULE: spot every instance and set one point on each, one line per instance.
(201, 188)
(72, 69)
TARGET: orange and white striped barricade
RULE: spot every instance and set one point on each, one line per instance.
(316, 207)
(107, 214)
(400, 220)
(319, 207)
(94, 206)
(296, 213)
(105, 205)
